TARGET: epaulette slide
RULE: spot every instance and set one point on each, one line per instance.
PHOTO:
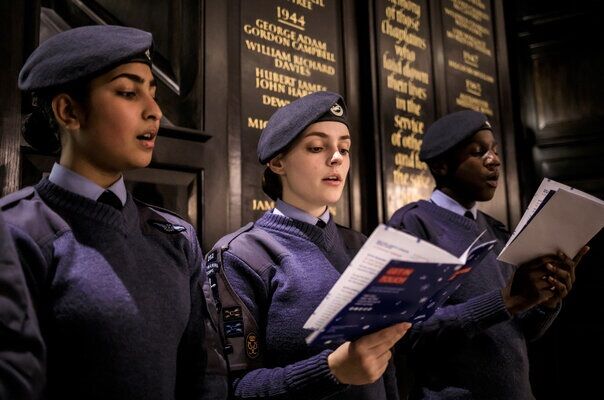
(239, 328)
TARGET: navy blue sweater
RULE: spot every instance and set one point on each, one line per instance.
(307, 261)
(117, 294)
(21, 346)
(472, 348)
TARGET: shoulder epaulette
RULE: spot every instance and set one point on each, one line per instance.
(158, 208)
(9, 200)
(237, 324)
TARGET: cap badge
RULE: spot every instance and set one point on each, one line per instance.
(148, 54)
(488, 124)
(337, 110)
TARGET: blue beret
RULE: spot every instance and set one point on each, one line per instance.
(450, 130)
(83, 53)
(289, 121)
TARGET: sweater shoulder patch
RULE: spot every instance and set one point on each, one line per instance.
(167, 227)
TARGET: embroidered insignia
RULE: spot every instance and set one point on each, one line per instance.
(252, 348)
(231, 313)
(337, 110)
(167, 227)
(233, 329)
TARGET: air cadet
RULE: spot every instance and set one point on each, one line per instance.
(116, 283)
(475, 346)
(273, 273)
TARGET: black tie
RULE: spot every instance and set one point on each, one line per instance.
(321, 224)
(110, 198)
(468, 214)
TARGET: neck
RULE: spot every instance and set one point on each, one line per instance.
(314, 210)
(101, 177)
(465, 202)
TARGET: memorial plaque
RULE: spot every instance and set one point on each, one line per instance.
(289, 48)
(471, 71)
(406, 99)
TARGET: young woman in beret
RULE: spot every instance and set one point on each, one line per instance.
(115, 283)
(278, 270)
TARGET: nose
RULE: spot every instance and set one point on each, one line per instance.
(152, 110)
(490, 158)
(336, 158)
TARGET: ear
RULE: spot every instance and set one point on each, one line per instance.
(277, 165)
(66, 112)
(439, 167)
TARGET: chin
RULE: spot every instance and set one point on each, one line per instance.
(486, 195)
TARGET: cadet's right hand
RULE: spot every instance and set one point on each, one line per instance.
(533, 283)
(364, 361)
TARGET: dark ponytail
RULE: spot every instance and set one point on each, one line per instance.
(271, 184)
(40, 128)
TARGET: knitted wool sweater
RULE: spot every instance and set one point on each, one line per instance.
(307, 261)
(117, 294)
(471, 348)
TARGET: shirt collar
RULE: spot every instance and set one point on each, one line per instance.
(441, 199)
(287, 210)
(76, 183)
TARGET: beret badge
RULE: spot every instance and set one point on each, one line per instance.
(337, 110)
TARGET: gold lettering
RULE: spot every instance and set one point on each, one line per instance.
(256, 123)
(468, 101)
(291, 67)
(409, 124)
(392, 64)
(470, 58)
(473, 88)
(471, 71)
(262, 205)
(398, 85)
(308, 4)
(274, 101)
(408, 5)
(267, 50)
(402, 35)
(404, 52)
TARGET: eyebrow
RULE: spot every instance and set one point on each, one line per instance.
(133, 77)
(324, 135)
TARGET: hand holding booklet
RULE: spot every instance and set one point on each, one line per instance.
(559, 217)
(395, 277)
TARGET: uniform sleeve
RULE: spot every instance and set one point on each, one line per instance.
(536, 321)
(305, 379)
(468, 318)
(201, 371)
(21, 347)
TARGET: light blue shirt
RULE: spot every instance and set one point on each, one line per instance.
(76, 183)
(292, 212)
(444, 201)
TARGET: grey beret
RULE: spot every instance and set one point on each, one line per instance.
(289, 121)
(450, 130)
(82, 53)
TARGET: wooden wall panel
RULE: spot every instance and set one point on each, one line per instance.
(558, 63)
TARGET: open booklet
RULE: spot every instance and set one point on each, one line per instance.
(394, 277)
(559, 217)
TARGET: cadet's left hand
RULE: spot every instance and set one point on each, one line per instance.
(561, 276)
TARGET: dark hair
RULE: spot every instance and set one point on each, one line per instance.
(40, 128)
(271, 184)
